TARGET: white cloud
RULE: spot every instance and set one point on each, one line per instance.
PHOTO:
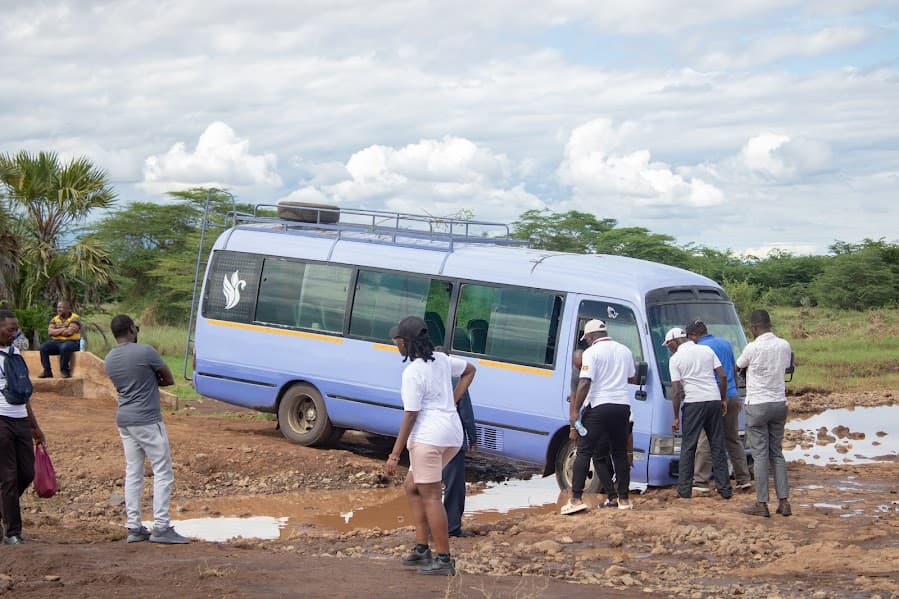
(795, 248)
(439, 177)
(778, 156)
(219, 159)
(597, 163)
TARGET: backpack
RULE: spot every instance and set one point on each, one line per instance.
(18, 385)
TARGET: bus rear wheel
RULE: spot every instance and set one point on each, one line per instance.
(565, 469)
(303, 417)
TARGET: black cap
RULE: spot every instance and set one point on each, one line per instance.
(409, 327)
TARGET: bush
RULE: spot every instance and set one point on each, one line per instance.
(856, 281)
(743, 294)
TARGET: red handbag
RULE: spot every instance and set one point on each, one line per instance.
(44, 474)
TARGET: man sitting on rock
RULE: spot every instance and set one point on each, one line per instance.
(65, 337)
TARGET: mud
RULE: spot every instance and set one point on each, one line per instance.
(842, 540)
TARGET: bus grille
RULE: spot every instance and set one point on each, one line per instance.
(490, 438)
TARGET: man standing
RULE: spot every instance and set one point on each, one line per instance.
(698, 333)
(18, 427)
(65, 336)
(607, 368)
(454, 472)
(137, 371)
(693, 369)
(766, 359)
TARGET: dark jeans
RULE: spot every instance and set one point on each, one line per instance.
(697, 417)
(16, 470)
(454, 491)
(607, 429)
(63, 349)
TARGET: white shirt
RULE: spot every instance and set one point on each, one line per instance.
(428, 389)
(694, 366)
(607, 364)
(7, 409)
(766, 359)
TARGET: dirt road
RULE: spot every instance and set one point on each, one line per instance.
(841, 542)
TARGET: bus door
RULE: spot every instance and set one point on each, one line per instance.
(623, 327)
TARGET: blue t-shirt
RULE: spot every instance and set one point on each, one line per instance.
(725, 354)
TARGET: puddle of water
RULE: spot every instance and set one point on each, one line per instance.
(218, 530)
(346, 510)
(870, 421)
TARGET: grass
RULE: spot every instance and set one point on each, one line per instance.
(841, 350)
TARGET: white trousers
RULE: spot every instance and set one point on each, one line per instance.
(142, 442)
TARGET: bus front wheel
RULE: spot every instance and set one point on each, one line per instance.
(565, 469)
(303, 417)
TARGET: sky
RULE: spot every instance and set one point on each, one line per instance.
(742, 126)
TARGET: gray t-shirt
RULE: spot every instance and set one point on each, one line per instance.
(132, 369)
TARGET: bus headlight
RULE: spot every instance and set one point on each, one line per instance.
(664, 445)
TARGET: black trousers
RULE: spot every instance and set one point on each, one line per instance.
(63, 349)
(607, 430)
(454, 491)
(697, 417)
(16, 469)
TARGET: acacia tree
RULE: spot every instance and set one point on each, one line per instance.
(47, 200)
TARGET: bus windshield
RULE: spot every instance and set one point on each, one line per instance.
(720, 318)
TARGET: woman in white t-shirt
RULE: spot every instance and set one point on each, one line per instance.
(432, 431)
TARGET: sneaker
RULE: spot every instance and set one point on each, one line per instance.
(13, 540)
(757, 509)
(66, 374)
(726, 494)
(701, 489)
(624, 504)
(461, 533)
(168, 536)
(784, 508)
(45, 375)
(613, 503)
(744, 486)
(418, 557)
(442, 566)
(573, 507)
(136, 535)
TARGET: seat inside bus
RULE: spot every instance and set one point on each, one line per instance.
(436, 330)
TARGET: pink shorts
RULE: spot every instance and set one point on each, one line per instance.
(426, 462)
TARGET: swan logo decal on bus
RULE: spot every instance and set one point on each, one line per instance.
(232, 286)
(613, 314)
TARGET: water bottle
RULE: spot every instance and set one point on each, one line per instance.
(81, 344)
(581, 429)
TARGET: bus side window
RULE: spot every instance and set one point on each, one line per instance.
(461, 341)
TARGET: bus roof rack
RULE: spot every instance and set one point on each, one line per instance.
(379, 226)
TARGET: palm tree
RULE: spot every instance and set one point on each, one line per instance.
(47, 200)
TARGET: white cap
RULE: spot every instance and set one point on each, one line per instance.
(593, 326)
(672, 334)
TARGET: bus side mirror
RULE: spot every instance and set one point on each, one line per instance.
(641, 369)
(789, 370)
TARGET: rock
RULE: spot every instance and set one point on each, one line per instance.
(116, 500)
(616, 540)
(566, 540)
(616, 571)
(52, 577)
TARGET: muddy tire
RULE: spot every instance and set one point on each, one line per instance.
(303, 417)
(565, 469)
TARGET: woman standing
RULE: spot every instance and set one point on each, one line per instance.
(432, 431)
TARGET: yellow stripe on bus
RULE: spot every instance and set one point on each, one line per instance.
(385, 347)
(516, 367)
(274, 331)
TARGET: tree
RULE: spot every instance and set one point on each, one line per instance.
(48, 200)
(573, 231)
(156, 246)
(856, 280)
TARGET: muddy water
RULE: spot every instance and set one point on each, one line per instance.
(857, 436)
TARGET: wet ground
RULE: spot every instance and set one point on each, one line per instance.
(284, 520)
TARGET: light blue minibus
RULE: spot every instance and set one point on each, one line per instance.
(293, 319)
